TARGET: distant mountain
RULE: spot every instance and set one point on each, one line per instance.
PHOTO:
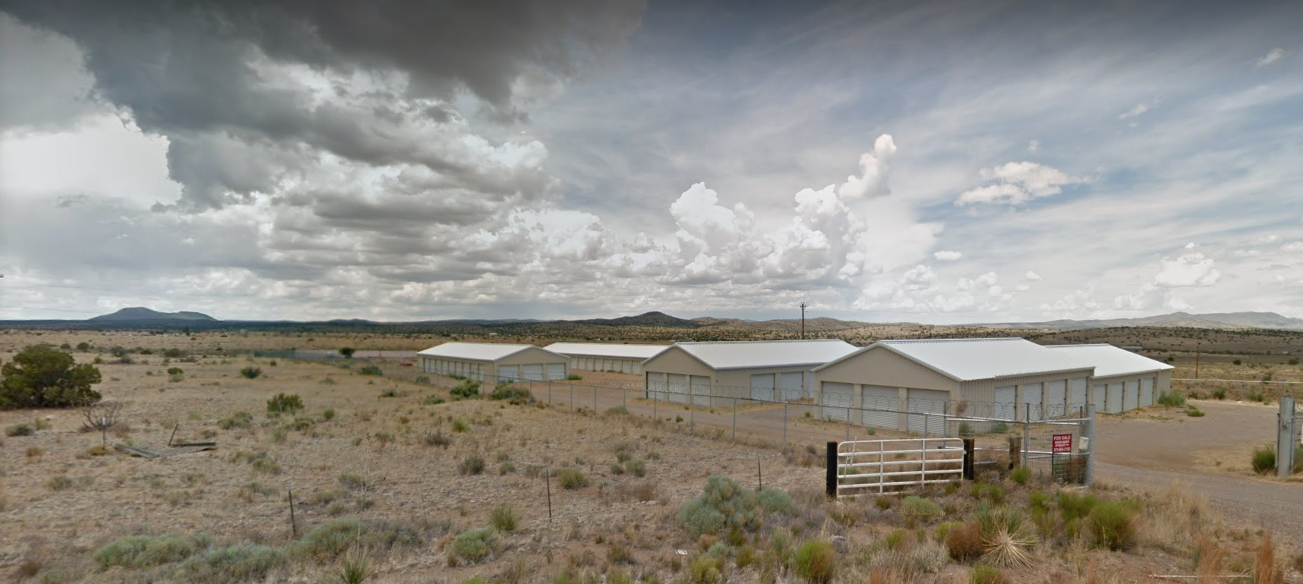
(145, 315)
(1217, 320)
(645, 319)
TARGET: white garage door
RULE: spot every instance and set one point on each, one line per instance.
(678, 388)
(1005, 405)
(508, 372)
(700, 390)
(1031, 401)
(556, 371)
(637, 368)
(836, 399)
(1131, 397)
(1056, 398)
(626, 366)
(534, 372)
(1147, 392)
(655, 386)
(1098, 396)
(791, 386)
(1077, 397)
(927, 401)
(881, 405)
(1114, 402)
(762, 387)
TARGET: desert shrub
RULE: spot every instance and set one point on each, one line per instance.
(474, 546)
(572, 478)
(329, 414)
(775, 501)
(1006, 537)
(1264, 460)
(919, 507)
(370, 370)
(251, 372)
(465, 390)
(260, 461)
(623, 451)
(59, 483)
(1219, 393)
(619, 554)
(471, 465)
(815, 561)
(438, 438)
(1021, 474)
(1073, 505)
(723, 504)
(433, 400)
(354, 482)
(964, 541)
(460, 425)
(503, 518)
(511, 392)
(284, 404)
(41, 376)
(943, 529)
(1038, 501)
(328, 541)
(231, 565)
(1193, 412)
(30, 430)
(573, 377)
(144, 551)
(1172, 399)
(636, 467)
(984, 574)
(1112, 526)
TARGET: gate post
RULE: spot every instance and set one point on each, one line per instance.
(1285, 437)
(1088, 434)
(970, 448)
(831, 475)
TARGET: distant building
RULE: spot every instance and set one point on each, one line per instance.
(1123, 380)
(493, 362)
(606, 356)
(758, 370)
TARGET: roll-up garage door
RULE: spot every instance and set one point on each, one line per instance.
(1006, 399)
(836, 399)
(881, 405)
(700, 390)
(1056, 398)
(1077, 397)
(1131, 396)
(1114, 403)
(655, 386)
(556, 371)
(508, 372)
(534, 372)
(1098, 397)
(1031, 401)
(626, 366)
(1147, 392)
(762, 387)
(927, 401)
(791, 384)
(677, 390)
(637, 368)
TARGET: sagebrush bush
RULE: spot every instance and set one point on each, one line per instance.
(636, 467)
(465, 390)
(232, 565)
(328, 541)
(503, 518)
(474, 546)
(815, 561)
(919, 507)
(775, 501)
(1112, 526)
(723, 504)
(236, 420)
(20, 430)
(144, 551)
(284, 404)
(511, 392)
(572, 478)
(471, 465)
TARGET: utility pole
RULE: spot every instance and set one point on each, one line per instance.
(803, 321)
(1196, 359)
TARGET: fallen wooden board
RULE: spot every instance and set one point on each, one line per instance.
(180, 449)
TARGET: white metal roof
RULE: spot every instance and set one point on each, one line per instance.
(639, 352)
(974, 359)
(756, 354)
(1110, 361)
(474, 351)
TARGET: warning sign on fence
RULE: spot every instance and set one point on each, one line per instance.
(1062, 443)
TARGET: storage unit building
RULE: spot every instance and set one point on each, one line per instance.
(913, 385)
(714, 373)
(606, 357)
(1123, 380)
(491, 362)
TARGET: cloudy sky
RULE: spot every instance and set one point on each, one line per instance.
(400, 160)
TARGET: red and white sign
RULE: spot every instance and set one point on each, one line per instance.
(1062, 443)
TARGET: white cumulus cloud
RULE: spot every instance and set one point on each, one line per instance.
(1189, 269)
(1032, 276)
(947, 255)
(1018, 182)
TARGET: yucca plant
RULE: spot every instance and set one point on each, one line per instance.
(1007, 538)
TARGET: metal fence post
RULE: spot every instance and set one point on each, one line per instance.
(692, 416)
(1088, 432)
(830, 480)
(594, 399)
(549, 393)
(848, 423)
(1285, 437)
(1027, 434)
(572, 397)
(735, 419)
(784, 425)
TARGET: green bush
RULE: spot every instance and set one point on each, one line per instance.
(1172, 399)
(503, 518)
(41, 376)
(510, 391)
(236, 420)
(1193, 412)
(282, 403)
(1264, 460)
(471, 465)
(330, 540)
(815, 561)
(775, 501)
(1074, 505)
(232, 565)
(474, 546)
(636, 467)
(1021, 474)
(984, 574)
(251, 372)
(1112, 526)
(724, 504)
(329, 414)
(573, 377)
(433, 400)
(20, 430)
(145, 551)
(572, 478)
(920, 507)
(466, 390)
(370, 370)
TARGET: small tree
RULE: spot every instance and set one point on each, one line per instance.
(42, 376)
(101, 417)
(347, 352)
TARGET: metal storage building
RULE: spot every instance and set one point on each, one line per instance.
(760, 370)
(491, 362)
(1005, 378)
(1123, 380)
(606, 357)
